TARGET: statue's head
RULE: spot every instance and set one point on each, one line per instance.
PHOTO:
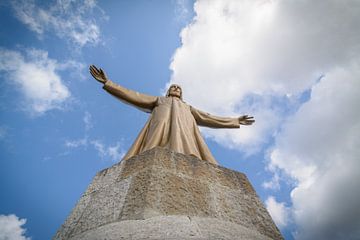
(174, 91)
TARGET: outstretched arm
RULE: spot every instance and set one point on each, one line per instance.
(207, 120)
(137, 99)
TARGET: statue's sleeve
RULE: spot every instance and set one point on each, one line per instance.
(142, 101)
(208, 120)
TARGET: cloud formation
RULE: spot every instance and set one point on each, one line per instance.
(11, 228)
(114, 152)
(294, 65)
(69, 20)
(182, 10)
(36, 76)
(241, 57)
(88, 121)
(278, 211)
(319, 147)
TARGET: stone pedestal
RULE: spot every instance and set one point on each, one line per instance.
(161, 194)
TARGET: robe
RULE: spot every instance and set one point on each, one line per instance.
(172, 124)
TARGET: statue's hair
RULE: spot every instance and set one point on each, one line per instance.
(168, 91)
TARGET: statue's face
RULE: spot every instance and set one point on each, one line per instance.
(175, 91)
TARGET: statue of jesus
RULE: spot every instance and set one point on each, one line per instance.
(172, 123)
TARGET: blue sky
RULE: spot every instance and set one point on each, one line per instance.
(295, 66)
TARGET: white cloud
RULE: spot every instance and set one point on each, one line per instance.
(82, 142)
(278, 211)
(11, 228)
(36, 76)
(259, 58)
(114, 152)
(182, 11)
(320, 148)
(240, 57)
(274, 183)
(87, 121)
(68, 19)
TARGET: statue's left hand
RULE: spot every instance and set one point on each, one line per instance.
(246, 120)
(98, 74)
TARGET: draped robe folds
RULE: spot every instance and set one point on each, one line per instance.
(172, 123)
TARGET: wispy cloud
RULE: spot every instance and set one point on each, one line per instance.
(273, 184)
(82, 142)
(182, 11)
(3, 131)
(114, 152)
(36, 76)
(73, 21)
(11, 228)
(87, 121)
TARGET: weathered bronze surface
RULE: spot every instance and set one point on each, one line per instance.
(173, 123)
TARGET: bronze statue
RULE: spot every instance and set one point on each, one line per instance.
(172, 123)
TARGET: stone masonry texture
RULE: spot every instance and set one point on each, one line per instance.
(161, 194)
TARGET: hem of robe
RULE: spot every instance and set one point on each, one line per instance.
(210, 159)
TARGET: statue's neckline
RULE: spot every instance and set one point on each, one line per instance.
(175, 98)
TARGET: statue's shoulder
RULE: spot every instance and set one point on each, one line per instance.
(162, 100)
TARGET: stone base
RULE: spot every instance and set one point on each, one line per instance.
(161, 194)
(171, 228)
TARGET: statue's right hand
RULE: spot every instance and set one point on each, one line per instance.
(246, 120)
(98, 74)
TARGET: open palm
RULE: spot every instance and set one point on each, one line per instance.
(246, 120)
(98, 74)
